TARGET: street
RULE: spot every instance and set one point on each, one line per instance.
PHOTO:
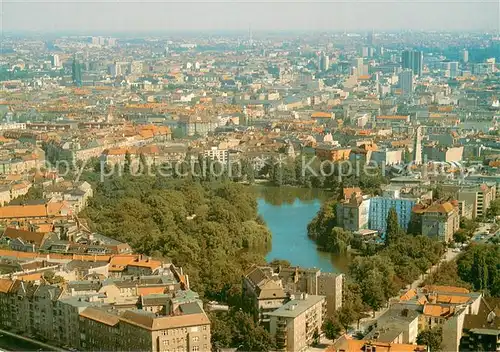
(13, 342)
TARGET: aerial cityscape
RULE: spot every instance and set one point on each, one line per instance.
(237, 176)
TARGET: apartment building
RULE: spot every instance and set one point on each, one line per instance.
(348, 344)
(330, 153)
(107, 314)
(353, 214)
(478, 197)
(481, 332)
(380, 207)
(297, 324)
(214, 153)
(439, 220)
(396, 326)
(443, 154)
(444, 307)
(137, 330)
(312, 281)
(265, 290)
(49, 212)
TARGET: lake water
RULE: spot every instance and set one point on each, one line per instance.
(287, 211)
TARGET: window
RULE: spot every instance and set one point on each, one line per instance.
(195, 348)
(204, 328)
(196, 339)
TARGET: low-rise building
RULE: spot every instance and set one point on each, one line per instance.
(348, 344)
(396, 326)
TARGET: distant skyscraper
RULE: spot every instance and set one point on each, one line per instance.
(369, 38)
(324, 62)
(55, 61)
(406, 81)
(359, 64)
(411, 59)
(417, 146)
(464, 56)
(76, 72)
(364, 51)
(453, 69)
(115, 69)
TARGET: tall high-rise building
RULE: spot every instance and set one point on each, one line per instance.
(364, 51)
(464, 56)
(453, 69)
(115, 69)
(76, 72)
(411, 59)
(417, 146)
(369, 38)
(324, 62)
(406, 81)
(55, 61)
(359, 64)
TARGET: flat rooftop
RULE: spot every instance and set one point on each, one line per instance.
(296, 307)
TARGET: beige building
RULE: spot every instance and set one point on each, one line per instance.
(479, 197)
(314, 282)
(297, 324)
(352, 214)
(439, 220)
(265, 290)
(146, 313)
(138, 330)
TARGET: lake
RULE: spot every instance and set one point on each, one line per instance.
(287, 211)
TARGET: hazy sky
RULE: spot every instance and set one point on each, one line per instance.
(165, 15)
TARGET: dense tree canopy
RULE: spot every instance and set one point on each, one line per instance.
(210, 229)
(324, 222)
(237, 328)
(479, 266)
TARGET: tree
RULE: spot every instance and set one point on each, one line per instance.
(335, 241)
(280, 262)
(34, 193)
(431, 338)
(415, 225)
(324, 221)
(494, 209)
(127, 164)
(460, 236)
(52, 278)
(143, 163)
(393, 229)
(332, 327)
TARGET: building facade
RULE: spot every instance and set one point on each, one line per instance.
(297, 324)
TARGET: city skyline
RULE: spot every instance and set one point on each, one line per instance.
(164, 16)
